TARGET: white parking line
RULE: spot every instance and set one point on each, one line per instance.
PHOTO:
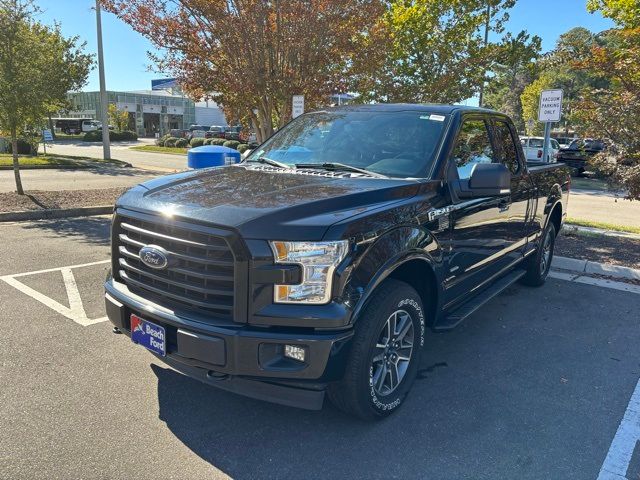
(624, 443)
(75, 311)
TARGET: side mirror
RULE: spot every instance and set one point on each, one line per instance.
(486, 180)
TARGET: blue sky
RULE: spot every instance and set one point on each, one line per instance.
(126, 60)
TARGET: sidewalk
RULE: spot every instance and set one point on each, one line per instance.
(603, 207)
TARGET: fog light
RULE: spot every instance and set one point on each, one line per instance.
(295, 352)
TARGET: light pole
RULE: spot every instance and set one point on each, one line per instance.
(106, 150)
(486, 42)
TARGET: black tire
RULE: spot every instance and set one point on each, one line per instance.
(393, 303)
(539, 263)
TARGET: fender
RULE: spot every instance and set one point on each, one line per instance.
(381, 258)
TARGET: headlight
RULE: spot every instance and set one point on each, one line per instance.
(318, 261)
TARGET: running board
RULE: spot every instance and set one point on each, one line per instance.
(463, 311)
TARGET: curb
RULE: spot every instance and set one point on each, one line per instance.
(569, 227)
(595, 268)
(57, 213)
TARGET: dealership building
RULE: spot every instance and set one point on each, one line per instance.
(151, 112)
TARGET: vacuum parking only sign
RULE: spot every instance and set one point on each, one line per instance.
(550, 106)
(297, 106)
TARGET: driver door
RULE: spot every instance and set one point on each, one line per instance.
(480, 233)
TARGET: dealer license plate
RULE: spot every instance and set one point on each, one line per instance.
(149, 335)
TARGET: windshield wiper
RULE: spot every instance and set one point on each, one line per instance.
(268, 161)
(340, 167)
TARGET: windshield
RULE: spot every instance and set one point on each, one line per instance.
(395, 144)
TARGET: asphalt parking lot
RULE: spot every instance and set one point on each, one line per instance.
(535, 385)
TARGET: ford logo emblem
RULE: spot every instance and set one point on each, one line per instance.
(154, 257)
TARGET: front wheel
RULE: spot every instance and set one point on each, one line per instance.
(538, 264)
(385, 353)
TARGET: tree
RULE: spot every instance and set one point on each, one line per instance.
(558, 69)
(514, 68)
(118, 118)
(435, 51)
(614, 112)
(252, 56)
(625, 13)
(38, 66)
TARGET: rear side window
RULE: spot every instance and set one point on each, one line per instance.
(472, 146)
(507, 145)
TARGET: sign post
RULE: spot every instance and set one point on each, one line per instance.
(550, 111)
(297, 106)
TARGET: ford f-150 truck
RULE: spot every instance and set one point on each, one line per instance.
(314, 267)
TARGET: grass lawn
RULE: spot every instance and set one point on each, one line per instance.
(604, 226)
(157, 149)
(6, 160)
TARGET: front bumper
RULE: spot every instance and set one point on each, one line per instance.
(239, 358)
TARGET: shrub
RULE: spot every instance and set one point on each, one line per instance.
(160, 141)
(207, 141)
(171, 142)
(197, 142)
(25, 147)
(218, 141)
(232, 144)
(243, 147)
(96, 136)
(182, 143)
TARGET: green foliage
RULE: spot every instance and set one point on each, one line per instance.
(232, 144)
(514, 68)
(243, 147)
(218, 141)
(182, 143)
(160, 141)
(207, 141)
(625, 13)
(530, 100)
(196, 142)
(38, 66)
(25, 147)
(431, 51)
(170, 142)
(96, 136)
(118, 118)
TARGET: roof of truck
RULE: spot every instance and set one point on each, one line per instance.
(396, 107)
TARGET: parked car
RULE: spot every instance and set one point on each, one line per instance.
(533, 149)
(180, 133)
(216, 131)
(233, 133)
(564, 142)
(315, 266)
(579, 152)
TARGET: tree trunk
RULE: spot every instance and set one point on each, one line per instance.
(16, 166)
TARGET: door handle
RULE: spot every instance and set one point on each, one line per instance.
(504, 205)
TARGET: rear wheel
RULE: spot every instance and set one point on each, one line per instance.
(385, 353)
(538, 264)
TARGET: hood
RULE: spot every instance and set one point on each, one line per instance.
(263, 202)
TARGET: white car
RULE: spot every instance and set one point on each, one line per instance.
(533, 146)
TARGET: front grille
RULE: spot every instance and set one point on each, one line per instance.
(200, 276)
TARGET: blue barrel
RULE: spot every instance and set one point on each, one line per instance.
(211, 156)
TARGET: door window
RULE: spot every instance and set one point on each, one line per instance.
(507, 143)
(472, 146)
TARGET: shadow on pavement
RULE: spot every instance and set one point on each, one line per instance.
(506, 395)
(93, 230)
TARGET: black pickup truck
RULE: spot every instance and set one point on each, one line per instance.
(314, 267)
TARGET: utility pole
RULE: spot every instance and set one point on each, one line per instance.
(486, 42)
(106, 149)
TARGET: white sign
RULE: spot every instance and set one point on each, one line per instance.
(550, 106)
(127, 107)
(297, 106)
(151, 108)
(47, 136)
